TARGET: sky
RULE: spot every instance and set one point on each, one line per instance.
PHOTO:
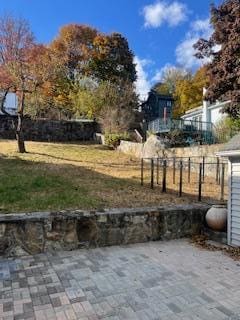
(160, 32)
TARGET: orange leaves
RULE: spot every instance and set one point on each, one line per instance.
(74, 44)
(86, 51)
(6, 80)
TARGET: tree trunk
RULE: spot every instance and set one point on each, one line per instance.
(19, 131)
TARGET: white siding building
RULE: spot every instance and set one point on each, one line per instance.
(10, 104)
(232, 151)
(206, 112)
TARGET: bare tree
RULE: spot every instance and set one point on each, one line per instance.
(16, 39)
(24, 66)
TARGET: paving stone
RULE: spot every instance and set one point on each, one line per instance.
(56, 302)
(226, 311)
(7, 306)
(173, 307)
(153, 281)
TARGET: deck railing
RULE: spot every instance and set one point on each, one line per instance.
(204, 131)
(163, 125)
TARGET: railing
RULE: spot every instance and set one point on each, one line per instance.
(201, 177)
(163, 125)
(197, 131)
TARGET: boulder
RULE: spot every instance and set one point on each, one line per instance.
(154, 147)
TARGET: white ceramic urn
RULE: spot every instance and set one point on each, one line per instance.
(216, 217)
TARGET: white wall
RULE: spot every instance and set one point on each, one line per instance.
(209, 114)
(10, 104)
(192, 115)
(215, 115)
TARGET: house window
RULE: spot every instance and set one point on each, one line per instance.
(169, 103)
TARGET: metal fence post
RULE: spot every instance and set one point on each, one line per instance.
(189, 169)
(164, 180)
(203, 168)
(142, 168)
(152, 173)
(222, 182)
(157, 170)
(180, 178)
(217, 170)
(200, 183)
(174, 170)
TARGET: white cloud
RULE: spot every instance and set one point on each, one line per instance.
(142, 84)
(161, 12)
(177, 13)
(202, 26)
(185, 51)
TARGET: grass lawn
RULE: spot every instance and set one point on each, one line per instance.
(54, 176)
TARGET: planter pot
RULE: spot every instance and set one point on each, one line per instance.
(216, 217)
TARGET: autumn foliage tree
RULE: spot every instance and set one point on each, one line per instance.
(74, 48)
(188, 92)
(170, 77)
(112, 59)
(48, 80)
(87, 52)
(89, 55)
(223, 48)
(16, 40)
(24, 65)
(185, 87)
(6, 84)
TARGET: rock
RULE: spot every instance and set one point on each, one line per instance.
(17, 252)
(71, 233)
(2, 229)
(53, 236)
(33, 240)
(22, 234)
(102, 218)
(154, 147)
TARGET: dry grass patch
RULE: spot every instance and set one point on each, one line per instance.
(53, 176)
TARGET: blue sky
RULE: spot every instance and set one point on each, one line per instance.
(160, 33)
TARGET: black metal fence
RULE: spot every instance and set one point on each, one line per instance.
(206, 176)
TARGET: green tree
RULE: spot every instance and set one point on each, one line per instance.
(84, 98)
(113, 105)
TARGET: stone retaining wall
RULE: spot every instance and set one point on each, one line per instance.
(152, 149)
(139, 150)
(67, 230)
(48, 130)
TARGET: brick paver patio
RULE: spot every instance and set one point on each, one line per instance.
(156, 280)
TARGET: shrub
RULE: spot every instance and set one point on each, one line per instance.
(113, 139)
(176, 138)
(118, 102)
(226, 128)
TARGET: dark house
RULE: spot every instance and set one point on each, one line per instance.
(157, 106)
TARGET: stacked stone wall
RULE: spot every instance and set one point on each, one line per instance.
(48, 130)
(30, 233)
